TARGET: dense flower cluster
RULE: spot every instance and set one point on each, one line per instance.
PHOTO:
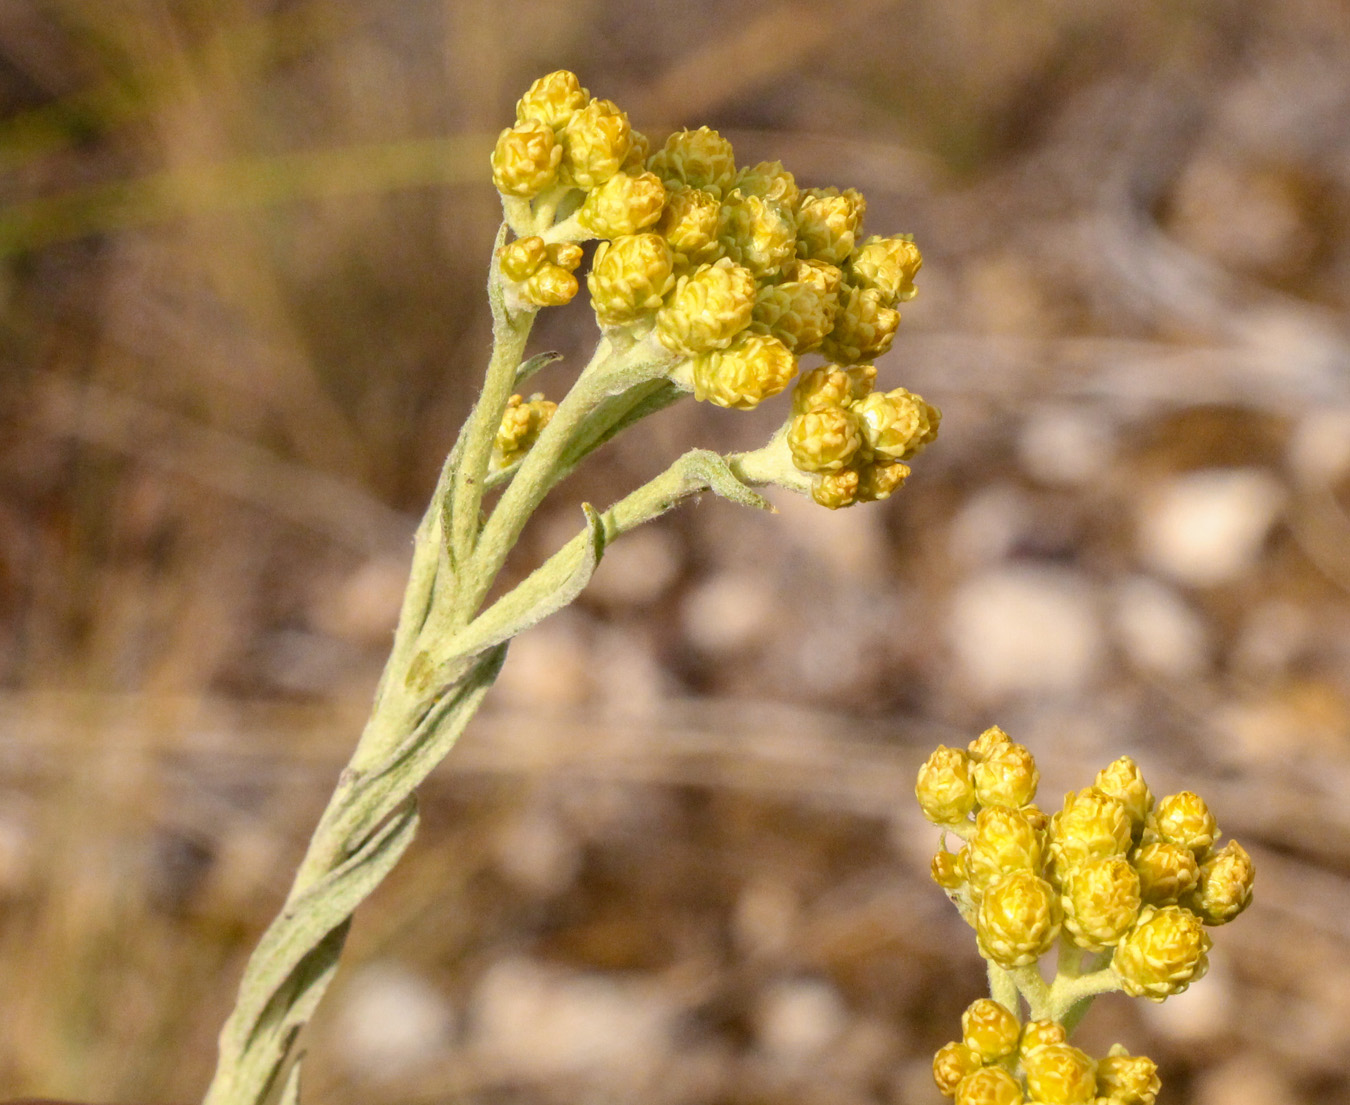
(731, 273)
(1116, 878)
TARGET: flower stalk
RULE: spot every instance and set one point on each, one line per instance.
(709, 280)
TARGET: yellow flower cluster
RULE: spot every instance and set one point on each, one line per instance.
(736, 271)
(1113, 869)
(522, 423)
(999, 1061)
(541, 274)
(853, 440)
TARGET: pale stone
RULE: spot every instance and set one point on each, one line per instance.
(1158, 631)
(1208, 527)
(637, 569)
(797, 1019)
(988, 526)
(730, 611)
(390, 1021)
(1066, 446)
(1026, 630)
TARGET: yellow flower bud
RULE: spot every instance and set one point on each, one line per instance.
(888, 265)
(1004, 840)
(525, 160)
(832, 386)
(521, 425)
(697, 159)
(639, 149)
(1038, 1034)
(566, 255)
(944, 790)
(898, 423)
(989, 1086)
(748, 371)
(952, 1063)
(689, 223)
(1123, 779)
(1102, 902)
(708, 308)
(1184, 819)
(948, 869)
(1018, 920)
(836, 490)
(1167, 872)
(770, 181)
(595, 144)
(1124, 1079)
(624, 204)
(881, 479)
(827, 278)
(1225, 885)
(521, 259)
(552, 99)
(1091, 826)
(990, 1029)
(757, 233)
(864, 327)
(824, 439)
(1007, 776)
(828, 222)
(795, 312)
(1162, 954)
(550, 286)
(987, 743)
(1060, 1074)
(629, 277)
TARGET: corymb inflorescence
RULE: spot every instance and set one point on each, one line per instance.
(726, 275)
(1124, 889)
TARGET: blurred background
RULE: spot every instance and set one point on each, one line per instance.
(676, 859)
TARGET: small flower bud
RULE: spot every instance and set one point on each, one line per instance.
(832, 386)
(1123, 780)
(1018, 920)
(629, 277)
(898, 423)
(1101, 903)
(1004, 840)
(1184, 819)
(952, 1063)
(824, 439)
(1007, 776)
(949, 870)
(1162, 954)
(566, 255)
(757, 233)
(770, 181)
(797, 313)
(1060, 1074)
(708, 308)
(983, 746)
(820, 274)
(689, 223)
(639, 149)
(624, 204)
(525, 160)
(989, 1086)
(1091, 826)
(888, 265)
(1124, 1079)
(1225, 885)
(1167, 872)
(828, 222)
(552, 99)
(550, 286)
(944, 790)
(881, 479)
(864, 327)
(521, 425)
(990, 1029)
(595, 144)
(835, 490)
(521, 259)
(751, 369)
(1038, 1034)
(696, 159)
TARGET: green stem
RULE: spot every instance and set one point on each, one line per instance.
(1003, 989)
